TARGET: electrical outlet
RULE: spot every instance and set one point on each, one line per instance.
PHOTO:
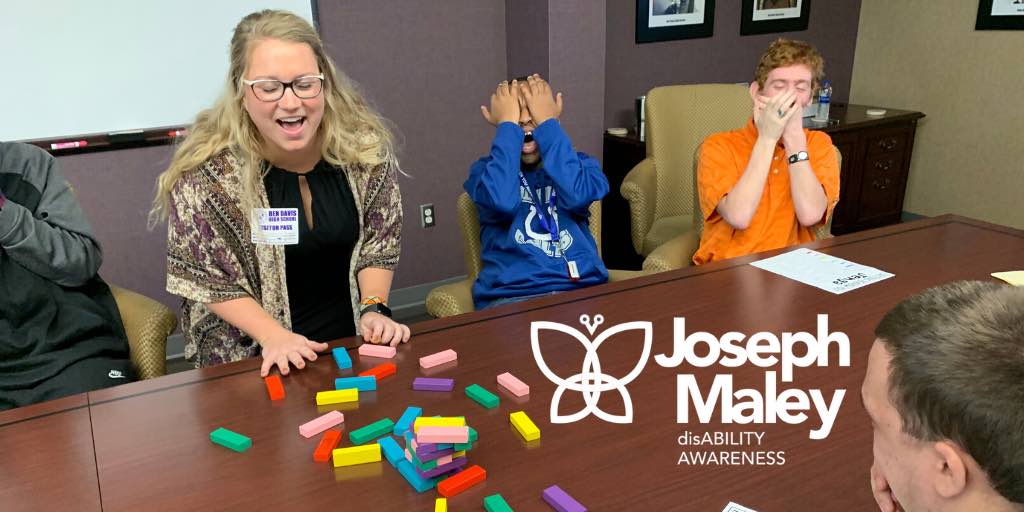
(427, 218)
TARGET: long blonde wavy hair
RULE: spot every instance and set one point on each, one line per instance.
(351, 133)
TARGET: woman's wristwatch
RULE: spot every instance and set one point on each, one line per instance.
(374, 304)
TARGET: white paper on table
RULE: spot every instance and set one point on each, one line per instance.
(822, 271)
(733, 507)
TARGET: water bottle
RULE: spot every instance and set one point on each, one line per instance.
(824, 101)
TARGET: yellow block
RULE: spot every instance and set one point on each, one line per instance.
(356, 455)
(524, 426)
(459, 454)
(337, 397)
(454, 421)
(441, 505)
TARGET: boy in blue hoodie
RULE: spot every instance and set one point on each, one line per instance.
(533, 193)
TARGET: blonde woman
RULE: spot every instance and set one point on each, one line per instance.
(284, 215)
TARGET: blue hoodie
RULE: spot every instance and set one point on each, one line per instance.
(518, 256)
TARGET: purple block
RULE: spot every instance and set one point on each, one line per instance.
(429, 455)
(429, 384)
(440, 470)
(561, 501)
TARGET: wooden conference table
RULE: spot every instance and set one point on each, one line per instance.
(145, 446)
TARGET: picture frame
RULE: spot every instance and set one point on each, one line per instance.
(668, 20)
(770, 16)
(1000, 15)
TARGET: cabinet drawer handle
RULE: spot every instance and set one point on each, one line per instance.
(883, 166)
(888, 144)
(881, 183)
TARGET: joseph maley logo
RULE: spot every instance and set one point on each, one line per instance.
(591, 381)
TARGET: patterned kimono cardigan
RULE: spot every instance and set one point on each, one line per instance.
(211, 258)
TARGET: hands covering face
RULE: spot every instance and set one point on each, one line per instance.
(532, 97)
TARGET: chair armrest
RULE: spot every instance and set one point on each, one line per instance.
(674, 254)
(147, 323)
(622, 275)
(639, 188)
(451, 299)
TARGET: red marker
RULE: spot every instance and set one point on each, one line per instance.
(69, 145)
(177, 133)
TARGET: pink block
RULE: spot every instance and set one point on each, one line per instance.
(442, 435)
(382, 351)
(444, 460)
(514, 385)
(438, 358)
(320, 424)
(408, 456)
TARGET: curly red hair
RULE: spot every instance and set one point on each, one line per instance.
(787, 52)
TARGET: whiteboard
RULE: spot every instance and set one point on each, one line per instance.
(76, 67)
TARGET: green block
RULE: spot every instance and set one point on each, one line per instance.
(482, 396)
(229, 439)
(495, 503)
(466, 446)
(371, 431)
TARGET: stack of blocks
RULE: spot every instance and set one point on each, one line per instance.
(435, 448)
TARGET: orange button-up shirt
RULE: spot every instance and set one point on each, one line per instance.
(723, 158)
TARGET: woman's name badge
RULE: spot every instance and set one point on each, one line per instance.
(574, 272)
(275, 226)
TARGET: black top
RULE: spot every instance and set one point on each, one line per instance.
(317, 268)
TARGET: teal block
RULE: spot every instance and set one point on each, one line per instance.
(483, 397)
(371, 431)
(409, 473)
(360, 383)
(229, 439)
(495, 503)
(392, 452)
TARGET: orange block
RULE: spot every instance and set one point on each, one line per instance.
(381, 371)
(274, 387)
(461, 481)
(327, 444)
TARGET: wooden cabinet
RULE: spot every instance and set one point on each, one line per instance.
(876, 162)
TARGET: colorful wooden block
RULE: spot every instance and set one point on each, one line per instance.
(327, 445)
(431, 434)
(441, 505)
(495, 503)
(429, 384)
(371, 431)
(381, 351)
(392, 452)
(437, 421)
(274, 387)
(524, 425)
(314, 427)
(513, 385)
(461, 481)
(381, 371)
(360, 383)
(440, 469)
(356, 455)
(341, 357)
(561, 501)
(405, 421)
(231, 440)
(418, 483)
(481, 396)
(339, 396)
(439, 358)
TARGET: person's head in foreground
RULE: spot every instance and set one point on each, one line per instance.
(945, 392)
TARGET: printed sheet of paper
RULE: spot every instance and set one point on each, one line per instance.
(733, 507)
(822, 271)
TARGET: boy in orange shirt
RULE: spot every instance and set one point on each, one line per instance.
(768, 184)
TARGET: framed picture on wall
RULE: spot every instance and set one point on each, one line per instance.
(769, 16)
(1000, 15)
(666, 20)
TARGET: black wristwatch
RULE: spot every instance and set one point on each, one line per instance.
(799, 156)
(375, 308)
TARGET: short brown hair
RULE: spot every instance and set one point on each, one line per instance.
(957, 373)
(787, 52)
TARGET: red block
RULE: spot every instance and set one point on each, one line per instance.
(379, 372)
(327, 445)
(274, 387)
(461, 481)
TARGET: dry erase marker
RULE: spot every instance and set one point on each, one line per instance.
(177, 133)
(69, 145)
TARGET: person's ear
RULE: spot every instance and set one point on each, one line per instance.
(948, 469)
(754, 90)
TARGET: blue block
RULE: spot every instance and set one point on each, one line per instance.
(392, 452)
(405, 422)
(360, 383)
(409, 472)
(342, 358)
